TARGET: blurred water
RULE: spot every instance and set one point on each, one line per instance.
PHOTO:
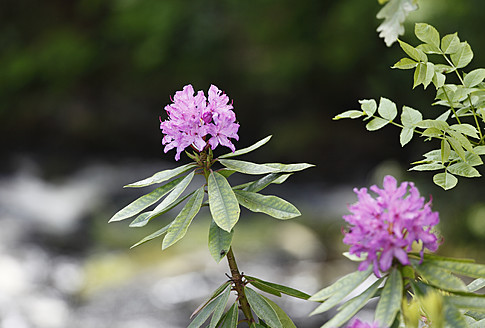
(53, 273)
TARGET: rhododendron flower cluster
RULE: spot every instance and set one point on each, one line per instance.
(192, 118)
(359, 324)
(385, 227)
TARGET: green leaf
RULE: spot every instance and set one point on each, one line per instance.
(354, 279)
(162, 176)
(439, 277)
(463, 56)
(427, 167)
(478, 324)
(284, 318)
(410, 116)
(271, 205)
(457, 147)
(368, 106)
(438, 79)
(476, 284)
(463, 169)
(376, 123)
(220, 307)
(154, 235)
(463, 268)
(432, 133)
(247, 167)
(474, 78)
(232, 317)
(349, 309)
(445, 180)
(216, 293)
(387, 109)
(430, 72)
(453, 317)
(262, 308)
(445, 150)
(427, 34)
(284, 168)
(475, 303)
(390, 300)
(405, 63)
(450, 43)
(479, 150)
(248, 149)
(142, 219)
(219, 241)
(429, 49)
(223, 204)
(349, 114)
(265, 181)
(441, 125)
(466, 129)
(205, 313)
(180, 225)
(412, 52)
(175, 193)
(276, 288)
(394, 13)
(145, 201)
(406, 135)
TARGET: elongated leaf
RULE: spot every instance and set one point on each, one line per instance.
(453, 317)
(154, 235)
(349, 309)
(285, 168)
(412, 52)
(205, 313)
(466, 129)
(223, 204)
(220, 307)
(390, 300)
(463, 169)
(445, 150)
(142, 219)
(271, 205)
(439, 277)
(337, 296)
(265, 181)
(232, 317)
(262, 308)
(216, 293)
(247, 167)
(445, 180)
(278, 288)
(427, 167)
(474, 270)
(247, 149)
(162, 176)
(284, 318)
(219, 241)
(181, 224)
(175, 193)
(476, 284)
(457, 147)
(144, 201)
(349, 114)
(440, 125)
(405, 63)
(354, 279)
(474, 303)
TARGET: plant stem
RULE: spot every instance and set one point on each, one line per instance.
(239, 286)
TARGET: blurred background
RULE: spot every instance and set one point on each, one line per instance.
(82, 86)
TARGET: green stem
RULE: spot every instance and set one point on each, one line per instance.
(451, 106)
(239, 286)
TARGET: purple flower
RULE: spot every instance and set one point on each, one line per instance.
(359, 324)
(386, 227)
(192, 118)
